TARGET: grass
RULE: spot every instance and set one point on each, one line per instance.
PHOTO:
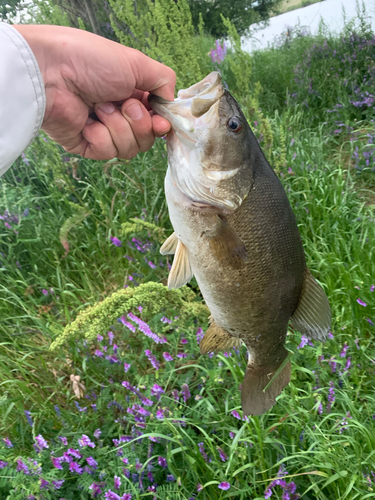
(177, 423)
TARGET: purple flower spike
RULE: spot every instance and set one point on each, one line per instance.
(126, 367)
(111, 495)
(372, 288)
(57, 484)
(369, 320)
(93, 463)
(45, 292)
(156, 390)
(8, 443)
(199, 335)
(28, 418)
(126, 496)
(116, 241)
(304, 341)
(361, 303)
(185, 392)
(111, 336)
(155, 363)
(117, 481)
(146, 329)
(223, 455)
(224, 486)
(63, 440)
(41, 442)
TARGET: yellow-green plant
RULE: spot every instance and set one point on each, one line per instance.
(154, 298)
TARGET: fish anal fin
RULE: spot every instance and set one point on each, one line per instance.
(217, 338)
(254, 399)
(225, 243)
(169, 246)
(181, 272)
(313, 315)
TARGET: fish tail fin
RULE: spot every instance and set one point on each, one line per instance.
(255, 400)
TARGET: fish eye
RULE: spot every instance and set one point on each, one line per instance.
(234, 124)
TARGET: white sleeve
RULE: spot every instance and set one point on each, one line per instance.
(22, 96)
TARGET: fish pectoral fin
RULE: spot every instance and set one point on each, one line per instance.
(313, 315)
(181, 272)
(224, 242)
(169, 246)
(217, 338)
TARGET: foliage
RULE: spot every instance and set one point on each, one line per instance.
(167, 415)
(241, 13)
(164, 32)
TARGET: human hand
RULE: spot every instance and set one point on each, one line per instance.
(85, 74)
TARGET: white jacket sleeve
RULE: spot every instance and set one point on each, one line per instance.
(22, 96)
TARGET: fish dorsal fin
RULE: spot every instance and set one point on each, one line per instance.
(170, 245)
(313, 315)
(217, 338)
(181, 272)
(225, 243)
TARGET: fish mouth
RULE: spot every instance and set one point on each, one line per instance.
(189, 111)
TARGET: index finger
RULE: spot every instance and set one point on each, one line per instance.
(152, 76)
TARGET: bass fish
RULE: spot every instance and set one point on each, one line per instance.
(234, 230)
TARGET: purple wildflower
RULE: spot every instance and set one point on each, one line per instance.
(361, 303)
(156, 390)
(223, 455)
(98, 353)
(8, 443)
(63, 440)
(97, 433)
(224, 486)
(304, 341)
(85, 441)
(152, 265)
(99, 338)
(45, 292)
(22, 467)
(117, 482)
(57, 484)
(96, 489)
(146, 329)
(43, 484)
(330, 335)
(75, 467)
(170, 477)
(182, 355)
(111, 495)
(126, 367)
(28, 418)
(56, 462)
(3, 464)
(111, 336)
(126, 496)
(116, 241)
(369, 320)
(41, 442)
(162, 462)
(372, 288)
(199, 335)
(74, 453)
(320, 408)
(199, 487)
(93, 463)
(155, 363)
(345, 348)
(203, 452)
(166, 320)
(185, 392)
(331, 395)
(232, 435)
(167, 356)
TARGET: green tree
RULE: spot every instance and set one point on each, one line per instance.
(242, 13)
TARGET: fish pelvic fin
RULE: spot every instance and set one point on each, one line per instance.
(225, 243)
(169, 246)
(181, 272)
(313, 315)
(254, 399)
(217, 338)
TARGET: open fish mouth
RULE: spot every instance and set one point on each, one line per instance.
(189, 111)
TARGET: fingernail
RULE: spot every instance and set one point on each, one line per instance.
(106, 107)
(134, 112)
(89, 120)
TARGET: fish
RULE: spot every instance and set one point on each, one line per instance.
(235, 231)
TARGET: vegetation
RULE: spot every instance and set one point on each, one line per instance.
(103, 391)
